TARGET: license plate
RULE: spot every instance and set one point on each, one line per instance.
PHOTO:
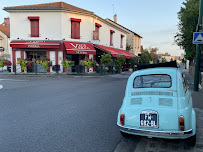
(148, 120)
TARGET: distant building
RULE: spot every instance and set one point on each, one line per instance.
(5, 40)
(133, 39)
(166, 56)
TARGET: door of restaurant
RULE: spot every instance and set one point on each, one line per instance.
(34, 56)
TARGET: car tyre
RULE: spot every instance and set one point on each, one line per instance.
(125, 135)
(191, 141)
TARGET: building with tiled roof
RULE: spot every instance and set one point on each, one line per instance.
(59, 31)
(133, 39)
(4, 42)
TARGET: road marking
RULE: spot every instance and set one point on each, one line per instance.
(11, 80)
(1, 87)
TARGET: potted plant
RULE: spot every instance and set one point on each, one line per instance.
(87, 63)
(67, 65)
(22, 63)
(46, 63)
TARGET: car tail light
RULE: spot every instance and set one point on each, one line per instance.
(181, 123)
(122, 119)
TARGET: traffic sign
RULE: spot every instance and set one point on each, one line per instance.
(198, 38)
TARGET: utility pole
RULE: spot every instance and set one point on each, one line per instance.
(198, 48)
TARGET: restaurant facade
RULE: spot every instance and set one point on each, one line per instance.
(59, 31)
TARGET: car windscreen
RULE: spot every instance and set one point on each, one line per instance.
(152, 81)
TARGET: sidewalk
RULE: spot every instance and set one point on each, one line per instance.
(196, 96)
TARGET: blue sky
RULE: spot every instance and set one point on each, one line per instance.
(155, 20)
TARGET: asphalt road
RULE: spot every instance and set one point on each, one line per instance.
(60, 114)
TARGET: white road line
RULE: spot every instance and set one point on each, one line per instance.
(12, 80)
(1, 87)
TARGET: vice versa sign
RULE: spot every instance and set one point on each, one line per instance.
(80, 46)
(198, 38)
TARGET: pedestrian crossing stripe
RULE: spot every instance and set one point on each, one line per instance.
(198, 38)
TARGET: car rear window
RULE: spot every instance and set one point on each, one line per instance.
(152, 81)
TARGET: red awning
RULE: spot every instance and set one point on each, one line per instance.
(1, 49)
(116, 52)
(35, 44)
(79, 48)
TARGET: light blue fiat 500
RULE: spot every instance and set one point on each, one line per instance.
(157, 103)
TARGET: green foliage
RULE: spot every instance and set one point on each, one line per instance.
(1, 63)
(163, 60)
(88, 63)
(133, 61)
(128, 47)
(106, 59)
(183, 60)
(145, 58)
(188, 19)
(67, 63)
(22, 63)
(45, 64)
(120, 61)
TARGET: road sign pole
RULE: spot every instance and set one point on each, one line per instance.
(198, 51)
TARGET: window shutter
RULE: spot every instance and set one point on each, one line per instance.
(77, 30)
(121, 41)
(111, 39)
(97, 31)
(34, 28)
(72, 30)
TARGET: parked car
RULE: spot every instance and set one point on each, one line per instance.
(157, 103)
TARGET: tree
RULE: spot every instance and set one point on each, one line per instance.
(153, 52)
(106, 59)
(128, 47)
(146, 57)
(120, 60)
(188, 19)
(134, 61)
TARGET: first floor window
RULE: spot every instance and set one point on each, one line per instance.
(75, 30)
(34, 27)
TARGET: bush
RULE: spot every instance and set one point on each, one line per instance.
(120, 61)
(106, 59)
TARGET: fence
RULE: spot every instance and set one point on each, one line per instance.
(192, 69)
(37, 69)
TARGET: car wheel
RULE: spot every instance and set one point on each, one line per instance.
(191, 141)
(126, 135)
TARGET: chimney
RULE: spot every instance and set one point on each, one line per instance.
(115, 18)
(7, 22)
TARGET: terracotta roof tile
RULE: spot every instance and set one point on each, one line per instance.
(49, 6)
(5, 30)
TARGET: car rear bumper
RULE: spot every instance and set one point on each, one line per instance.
(153, 133)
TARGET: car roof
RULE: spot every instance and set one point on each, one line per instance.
(157, 70)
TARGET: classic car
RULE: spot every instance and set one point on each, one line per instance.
(157, 103)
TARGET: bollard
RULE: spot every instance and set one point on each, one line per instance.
(35, 68)
(14, 68)
(101, 70)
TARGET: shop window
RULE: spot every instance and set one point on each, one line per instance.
(34, 27)
(75, 29)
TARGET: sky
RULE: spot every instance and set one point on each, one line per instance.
(155, 20)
